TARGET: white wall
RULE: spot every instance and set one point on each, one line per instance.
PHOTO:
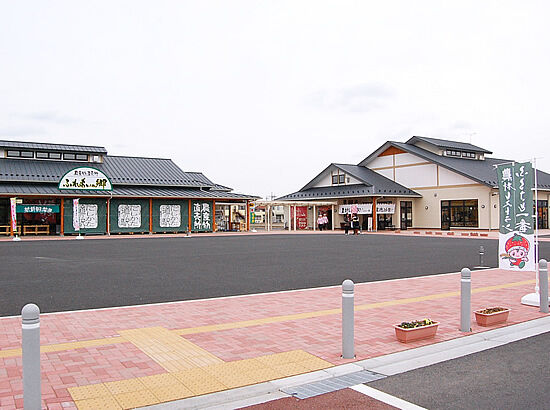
(381, 162)
(408, 159)
(417, 176)
(447, 177)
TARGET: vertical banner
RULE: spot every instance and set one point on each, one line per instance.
(13, 203)
(301, 217)
(516, 238)
(201, 216)
(76, 215)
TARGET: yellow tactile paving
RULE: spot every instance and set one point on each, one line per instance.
(169, 350)
(92, 391)
(144, 391)
(102, 403)
(199, 361)
(136, 399)
(172, 392)
(125, 386)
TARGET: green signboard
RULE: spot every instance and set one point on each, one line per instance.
(37, 209)
(516, 197)
(201, 216)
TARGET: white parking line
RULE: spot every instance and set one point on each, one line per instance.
(386, 398)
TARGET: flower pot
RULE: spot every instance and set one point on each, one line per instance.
(415, 333)
(489, 319)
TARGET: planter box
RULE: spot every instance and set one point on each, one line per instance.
(484, 319)
(415, 333)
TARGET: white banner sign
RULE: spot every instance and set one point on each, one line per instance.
(385, 208)
(76, 215)
(85, 178)
(361, 209)
(516, 251)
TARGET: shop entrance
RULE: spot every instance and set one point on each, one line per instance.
(383, 221)
(39, 216)
(230, 217)
(542, 214)
(406, 214)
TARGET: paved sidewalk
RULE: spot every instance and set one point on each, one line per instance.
(145, 355)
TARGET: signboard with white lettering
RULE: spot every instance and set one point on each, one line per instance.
(516, 237)
(85, 178)
(37, 209)
(361, 209)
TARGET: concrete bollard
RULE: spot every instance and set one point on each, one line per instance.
(543, 285)
(465, 300)
(481, 254)
(32, 396)
(348, 305)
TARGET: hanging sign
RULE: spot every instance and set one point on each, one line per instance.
(385, 208)
(13, 203)
(301, 216)
(516, 228)
(85, 178)
(76, 215)
(361, 209)
(37, 209)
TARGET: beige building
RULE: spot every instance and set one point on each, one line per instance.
(422, 183)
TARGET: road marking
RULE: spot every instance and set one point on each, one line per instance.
(386, 398)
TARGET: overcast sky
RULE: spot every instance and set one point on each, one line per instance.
(262, 95)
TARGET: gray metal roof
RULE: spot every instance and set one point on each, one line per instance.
(120, 170)
(344, 191)
(19, 189)
(380, 184)
(482, 171)
(446, 144)
(39, 146)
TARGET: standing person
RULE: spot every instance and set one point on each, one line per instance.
(355, 224)
(347, 223)
(325, 222)
(320, 222)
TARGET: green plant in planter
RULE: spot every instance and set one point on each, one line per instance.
(488, 311)
(416, 323)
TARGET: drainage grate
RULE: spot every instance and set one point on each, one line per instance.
(335, 383)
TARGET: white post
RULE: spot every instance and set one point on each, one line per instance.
(332, 219)
(295, 219)
(536, 229)
(314, 218)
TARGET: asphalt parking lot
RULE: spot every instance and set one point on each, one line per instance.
(68, 274)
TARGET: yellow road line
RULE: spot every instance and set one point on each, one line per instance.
(256, 322)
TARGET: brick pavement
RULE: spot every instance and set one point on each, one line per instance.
(93, 348)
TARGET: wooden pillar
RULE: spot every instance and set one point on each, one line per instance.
(109, 215)
(247, 215)
(214, 216)
(62, 210)
(374, 214)
(189, 215)
(11, 219)
(151, 216)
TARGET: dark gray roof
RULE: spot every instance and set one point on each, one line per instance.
(120, 170)
(446, 144)
(373, 184)
(342, 191)
(52, 147)
(124, 191)
(482, 171)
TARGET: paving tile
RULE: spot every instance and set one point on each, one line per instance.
(102, 403)
(136, 399)
(89, 392)
(125, 386)
(176, 391)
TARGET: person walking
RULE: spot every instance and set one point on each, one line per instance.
(325, 222)
(355, 224)
(347, 223)
(320, 222)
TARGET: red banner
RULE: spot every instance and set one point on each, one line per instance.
(301, 217)
(13, 202)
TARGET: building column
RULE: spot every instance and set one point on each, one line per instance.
(314, 218)
(214, 215)
(189, 215)
(62, 210)
(108, 224)
(247, 214)
(150, 216)
(332, 219)
(374, 214)
(295, 219)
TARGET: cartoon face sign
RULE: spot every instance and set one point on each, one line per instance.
(518, 252)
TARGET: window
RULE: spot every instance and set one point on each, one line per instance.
(55, 155)
(14, 153)
(42, 155)
(461, 213)
(466, 154)
(341, 178)
(406, 214)
(334, 179)
(69, 156)
(453, 153)
(81, 157)
(27, 154)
